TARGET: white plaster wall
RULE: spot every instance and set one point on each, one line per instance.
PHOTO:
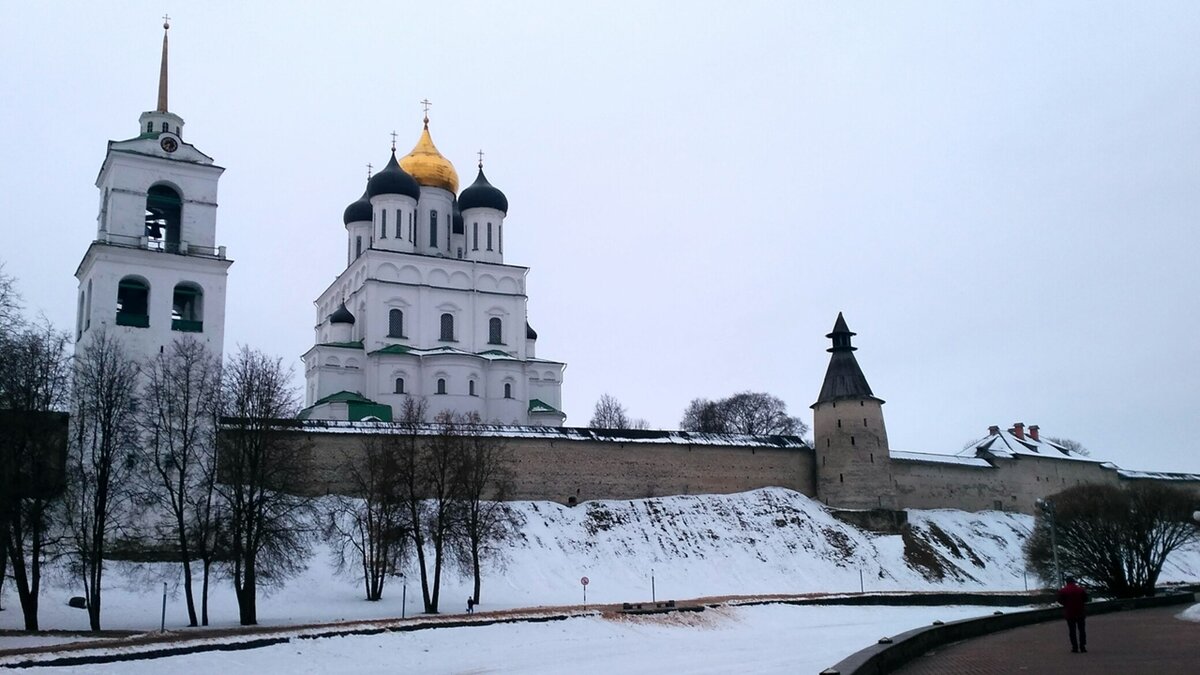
(126, 178)
(480, 217)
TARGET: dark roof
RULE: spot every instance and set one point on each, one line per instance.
(482, 194)
(341, 315)
(530, 333)
(843, 379)
(359, 211)
(393, 181)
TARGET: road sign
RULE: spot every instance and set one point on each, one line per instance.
(584, 581)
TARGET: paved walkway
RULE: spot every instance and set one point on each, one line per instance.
(1139, 641)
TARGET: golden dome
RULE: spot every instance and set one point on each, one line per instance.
(428, 165)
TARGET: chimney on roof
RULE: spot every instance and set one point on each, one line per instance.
(1018, 430)
(993, 430)
(1033, 431)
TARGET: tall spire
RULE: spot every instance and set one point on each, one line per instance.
(162, 71)
(843, 379)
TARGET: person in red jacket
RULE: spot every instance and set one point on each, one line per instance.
(1072, 598)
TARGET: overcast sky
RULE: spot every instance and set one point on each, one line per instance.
(1001, 197)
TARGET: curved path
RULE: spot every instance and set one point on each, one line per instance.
(1141, 641)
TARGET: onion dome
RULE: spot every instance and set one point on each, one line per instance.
(359, 211)
(342, 315)
(393, 181)
(482, 194)
(530, 333)
(457, 220)
(428, 166)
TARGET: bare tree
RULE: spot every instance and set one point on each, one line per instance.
(366, 528)
(102, 454)
(609, 414)
(704, 416)
(10, 302)
(267, 528)
(1072, 445)
(1110, 537)
(180, 400)
(483, 519)
(440, 462)
(747, 412)
(34, 381)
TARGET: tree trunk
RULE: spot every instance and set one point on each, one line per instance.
(187, 568)
(247, 612)
(204, 593)
(475, 568)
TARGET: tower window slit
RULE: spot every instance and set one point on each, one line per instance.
(851, 440)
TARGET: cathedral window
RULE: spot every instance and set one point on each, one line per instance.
(495, 331)
(357, 246)
(447, 327)
(166, 127)
(133, 303)
(500, 234)
(396, 323)
(433, 228)
(412, 227)
(399, 385)
(474, 236)
(383, 224)
(471, 387)
(87, 307)
(441, 385)
(149, 127)
(507, 390)
(187, 308)
(489, 235)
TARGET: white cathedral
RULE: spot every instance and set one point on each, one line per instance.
(425, 308)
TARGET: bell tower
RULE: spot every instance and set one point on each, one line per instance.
(154, 271)
(853, 464)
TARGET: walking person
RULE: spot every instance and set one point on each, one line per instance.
(1073, 598)
(470, 605)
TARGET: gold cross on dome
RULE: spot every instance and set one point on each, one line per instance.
(393, 141)
(426, 103)
(369, 167)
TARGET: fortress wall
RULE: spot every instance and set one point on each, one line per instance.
(558, 470)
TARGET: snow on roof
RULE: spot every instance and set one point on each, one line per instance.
(560, 433)
(1006, 444)
(1158, 475)
(940, 459)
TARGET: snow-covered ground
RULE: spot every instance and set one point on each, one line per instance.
(770, 541)
(761, 639)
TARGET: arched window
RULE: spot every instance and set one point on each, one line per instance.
(507, 390)
(357, 246)
(383, 224)
(133, 303)
(448, 327)
(474, 236)
(149, 127)
(166, 127)
(164, 207)
(471, 387)
(433, 228)
(489, 235)
(395, 323)
(441, 385)
(187, 308)
(494, 331)
(399, 385)
(87, 307)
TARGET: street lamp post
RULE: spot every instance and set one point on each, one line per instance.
(1047, 507)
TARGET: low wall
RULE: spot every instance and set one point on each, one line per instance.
(885, 658)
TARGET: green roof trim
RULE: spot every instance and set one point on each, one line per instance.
(536, 405)
(342, 345)
(345, 397)
(393, 349)
(496, 352)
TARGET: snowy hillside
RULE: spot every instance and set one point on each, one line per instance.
(770, 541)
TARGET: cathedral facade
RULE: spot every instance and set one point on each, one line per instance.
(426, 307)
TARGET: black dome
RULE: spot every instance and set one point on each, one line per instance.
(482, 194)
(393, 181)
(359, 210)
(342, 315)
(457, 220)
(530, 333)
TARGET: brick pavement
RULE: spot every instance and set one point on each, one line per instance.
(1130, 642)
